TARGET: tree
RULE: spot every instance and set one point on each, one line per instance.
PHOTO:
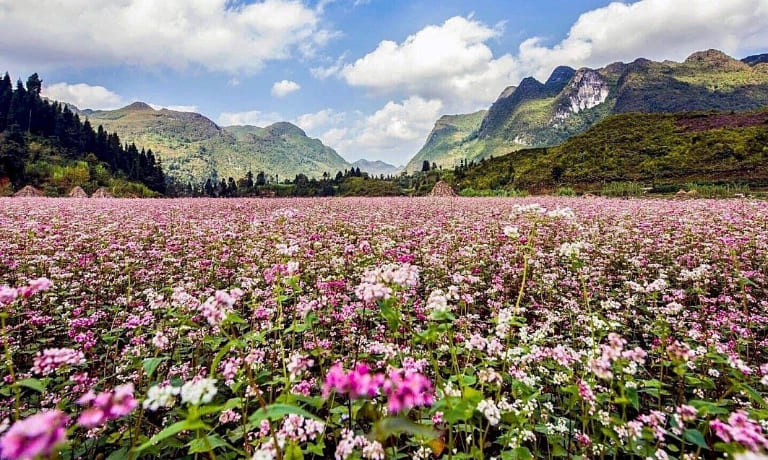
(425, 166)
(231, 187)
(261, 179)
(34, 84)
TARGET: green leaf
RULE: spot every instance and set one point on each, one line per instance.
(206, 444)
(695, 437)
(220, 355)
(390, 426)
(753, 394)
(231, 404)
(33, 384)
(293, 452)
(150, 365)
(121, 454)
(520, 453)
(391, 315)
(633, 398)
(172, 430)
(278, 411)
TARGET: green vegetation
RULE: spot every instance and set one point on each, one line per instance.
(718, 191)
(46, 145)
(629, 152)
(622, 189)
(513, 193)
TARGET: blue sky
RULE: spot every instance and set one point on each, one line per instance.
(368, 77)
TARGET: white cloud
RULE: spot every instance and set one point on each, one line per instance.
(83, 96)
(653, 29)
(450, 62)
(312, 122)
(392, 133)
(252, 117)
(218, 35)
(284, 87)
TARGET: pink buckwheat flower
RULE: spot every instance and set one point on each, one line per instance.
(51, 359)
(8, 294)
(35, 286)
(741, 429)
(106, 406)
(406, 390)
(357, 383)
(37, 435)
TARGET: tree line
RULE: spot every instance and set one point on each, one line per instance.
(60, 136)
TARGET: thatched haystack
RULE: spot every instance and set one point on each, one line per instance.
(442, 189)
(102, 192)
(28, 192)
(77, 192)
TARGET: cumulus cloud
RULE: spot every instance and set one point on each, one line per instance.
(654, 29)
(391, 133)
(252, 117)
(218, 35)
(83, 96)
(312, 122)
(284, 87)
(450, 61)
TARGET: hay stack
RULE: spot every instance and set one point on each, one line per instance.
(442, 189)
(28, 192)
(102, 192)
(77, 192)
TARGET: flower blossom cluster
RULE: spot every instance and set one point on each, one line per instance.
(35, 436)
(8, 294)
(378, 283)
(51, 359)
(405, 389)
(217, 306)
(741, 429)
(106, 406)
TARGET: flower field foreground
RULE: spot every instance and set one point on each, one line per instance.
(383, 328)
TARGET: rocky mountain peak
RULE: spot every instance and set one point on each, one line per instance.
(283, 128)
(559, 78)
(586, 89)
(136, 106)
(715, 59)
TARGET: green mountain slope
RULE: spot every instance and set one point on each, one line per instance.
(446, 143)
(536, 114)
(193, 148)
(649, 148)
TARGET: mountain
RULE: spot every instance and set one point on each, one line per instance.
(193, 148)
(447, 143)
(377, 168)
(536, 114)
(650, 148)
(756, 59)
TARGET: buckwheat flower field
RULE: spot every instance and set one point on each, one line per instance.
(383, 328)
